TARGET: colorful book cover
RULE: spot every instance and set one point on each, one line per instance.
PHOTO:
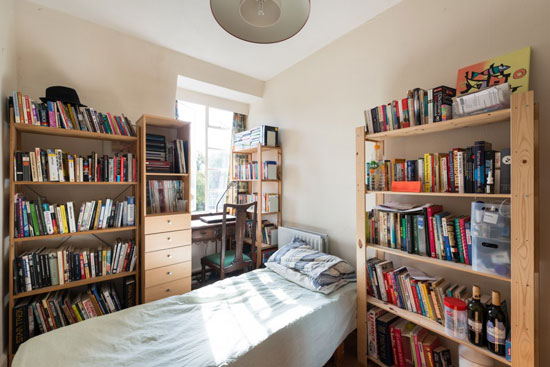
(512, 68)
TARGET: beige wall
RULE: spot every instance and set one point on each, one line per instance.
(418, 43)
(7, 85)
(111, 71)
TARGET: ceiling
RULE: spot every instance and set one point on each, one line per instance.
(187, 26)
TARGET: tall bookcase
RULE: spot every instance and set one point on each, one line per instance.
(261, 186)
(27, 137)
(166, 237)
(522, 121)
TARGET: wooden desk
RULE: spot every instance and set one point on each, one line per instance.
(202, 232)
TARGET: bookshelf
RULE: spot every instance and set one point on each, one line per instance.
(166, 253)
(522, 121)
(261, 153)
(26, 137)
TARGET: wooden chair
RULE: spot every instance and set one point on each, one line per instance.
(233, 260)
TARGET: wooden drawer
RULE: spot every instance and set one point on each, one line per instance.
(162, 258)
(164, 290)
(212, 233)
(167, 274)
(166, 240)
(167, 223)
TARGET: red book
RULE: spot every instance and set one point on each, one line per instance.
(462, 224)
(430, 211)
(389, 288)
(126, 257)
(121, 124)
(430, 342)
(82, 271)
(415, 296)
(405, 106)
(382, 118)
(28, 107)
(394, 341)
(113, 125)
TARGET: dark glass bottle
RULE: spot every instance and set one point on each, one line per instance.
(477, 317)
(496, 326)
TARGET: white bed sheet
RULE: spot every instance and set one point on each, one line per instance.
(256, 319)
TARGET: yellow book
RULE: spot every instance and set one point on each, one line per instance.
(64, 219)
(77, 314)
(427, 173)
(98, 210)
(86, 255)
(427, 302)
(104, 261)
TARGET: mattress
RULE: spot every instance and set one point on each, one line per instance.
(255, 319)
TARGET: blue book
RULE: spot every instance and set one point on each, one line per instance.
(439, 228)
(420, 298)
(25, 221)
(468, 242)
(16, 112)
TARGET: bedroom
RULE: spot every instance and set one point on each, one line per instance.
(140, 58)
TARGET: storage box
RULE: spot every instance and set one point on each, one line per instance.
(490, 231)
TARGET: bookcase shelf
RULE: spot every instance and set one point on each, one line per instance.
(257, 154)
(438, 262)
(82, 233)
(44, 130)
(74, 284)
(458, 123)
(166, 174)
(432, 326)
(445, 194)
(377, 362)
(523, 285)
(17, 133)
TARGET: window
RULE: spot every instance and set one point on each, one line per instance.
(210, 152)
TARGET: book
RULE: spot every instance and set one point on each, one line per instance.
(383, 337)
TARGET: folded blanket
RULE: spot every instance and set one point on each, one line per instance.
(319, 271)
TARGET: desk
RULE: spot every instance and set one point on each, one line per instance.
(202, 232)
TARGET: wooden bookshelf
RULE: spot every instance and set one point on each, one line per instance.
(258, 154)
(523, 284)
(18, 134)
(166, 253)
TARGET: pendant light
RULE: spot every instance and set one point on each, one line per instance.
(261, 21)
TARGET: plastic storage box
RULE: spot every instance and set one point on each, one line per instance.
(490, 231)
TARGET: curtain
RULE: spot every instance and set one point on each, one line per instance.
(239, 125)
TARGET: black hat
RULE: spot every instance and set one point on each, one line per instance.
(62, 94)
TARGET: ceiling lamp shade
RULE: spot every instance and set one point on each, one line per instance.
(261, 21)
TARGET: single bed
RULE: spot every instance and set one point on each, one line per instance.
(255, 319)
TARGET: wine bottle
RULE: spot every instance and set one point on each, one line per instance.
(477, 318)
(496, 326)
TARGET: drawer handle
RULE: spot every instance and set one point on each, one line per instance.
(169, 239)
(169, 273)
(169, 221)
(169, 256)
(168, 290)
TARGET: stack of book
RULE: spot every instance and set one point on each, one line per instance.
(413, 290)
(39, 218)
(177, 156)
(66, 116)
(423, 230)
(46, 267)
(246, 170)
(165, 196)
(397, 342)
(269, 171)
(419, 107)
(55, 165)
(261, 135)
(475, 169)
(270, 202)
(43, 313)
(155, 154)
(269, 233)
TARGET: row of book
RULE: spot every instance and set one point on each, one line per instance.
(250, 170)
(426, 231)
(397, 342)
(165, 157)
(61, 115)
(270, 202)
(46, 267)
(269, 232)
(165, 196)
(260, 135)
(475, 169)
(39, 218)
(419, 107)
(403, 288)
(55, 165)
(43, 313)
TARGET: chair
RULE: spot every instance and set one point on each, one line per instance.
(233, 260)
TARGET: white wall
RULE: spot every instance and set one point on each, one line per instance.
(7, 85)
(418, 43)
(111, 71)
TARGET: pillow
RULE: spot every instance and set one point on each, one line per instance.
(311, 269)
